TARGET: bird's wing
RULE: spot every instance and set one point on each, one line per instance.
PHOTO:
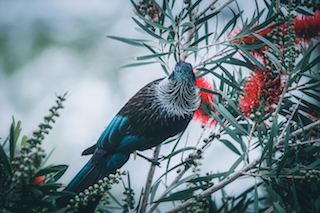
(109, 139)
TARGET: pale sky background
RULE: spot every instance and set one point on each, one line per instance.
(49, 47)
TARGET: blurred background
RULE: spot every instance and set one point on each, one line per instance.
(50, 47)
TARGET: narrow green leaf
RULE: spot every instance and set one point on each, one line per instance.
(201, 39)
(284, 160)
(205, 18)
(138, 64)
(146, 57)
(252, 58)
(232, 21)
(230, 102)
(235, 61)
(230, 146)
(161, 9)
(154, 189)
(171, 16)
(181, 195)
(24, 140)
(179, 151)
(156, 25)
(312, 165)
(135, 42)
(304, 12)
(227, 129)
(207, 178)
(191, 9)
(147, 30)
(314, 77)
(278, 208)
(228, 116)
(182, 181)
(256, 199)
(5, 161)
(270, 44)
(275, 61)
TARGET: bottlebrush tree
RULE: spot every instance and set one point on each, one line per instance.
(259, 83)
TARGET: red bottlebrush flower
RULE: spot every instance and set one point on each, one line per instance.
(307, 27)
(201, 115)
(39, 180)
(148, 9)
(257, 93)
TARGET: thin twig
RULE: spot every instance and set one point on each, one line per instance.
(249, 141)
(206, 9)
(147, 188)
(221, 7)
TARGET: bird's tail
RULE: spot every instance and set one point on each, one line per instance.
(91, 174)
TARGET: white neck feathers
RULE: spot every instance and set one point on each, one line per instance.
(178, 98)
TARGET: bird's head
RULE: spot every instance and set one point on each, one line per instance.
(183, 71)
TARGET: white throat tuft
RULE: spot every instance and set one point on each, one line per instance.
(178, 98)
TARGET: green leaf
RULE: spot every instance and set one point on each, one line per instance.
(304, 12)
(201, 39)
(270, 44)
(181, 195)
(24, 140)
(161, 9)
(147, 30)
(5, 161)
(182, 181)
(227, 129)
(232, 21)
(146, 57)
(191, 9)
(256, 199)
(205, 18)
(179, 151)
(230, 146)
(207, 178)
(312, 165)
(154, 190)
(14, 135)
(284, 160)
(229, 117)
(252, 58)
(53, 169)
(159, 26)
(135, 42)
(278, 208)
(269, 145)
(235, 61)
(162, 63)
(170, 16)
(138, 64)
(314, 77)
(275, 61)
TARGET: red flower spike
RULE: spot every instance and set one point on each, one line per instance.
(254, 93)
(200, 114)
(307, 27)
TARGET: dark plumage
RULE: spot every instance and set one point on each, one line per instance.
(161, 109)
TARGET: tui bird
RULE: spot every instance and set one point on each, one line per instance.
(161, 109)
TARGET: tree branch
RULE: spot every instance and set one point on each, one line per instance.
(147, 188)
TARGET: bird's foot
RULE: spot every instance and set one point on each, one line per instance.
(155, 161)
